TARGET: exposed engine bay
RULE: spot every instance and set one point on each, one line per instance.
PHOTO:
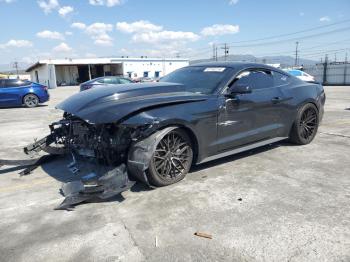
(107, 143)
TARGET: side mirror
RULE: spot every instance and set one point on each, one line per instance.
(237, 89)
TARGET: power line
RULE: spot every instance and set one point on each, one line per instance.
(281, 40)
(326, 51)
(293, 33)
(282, 35)
(294, 39)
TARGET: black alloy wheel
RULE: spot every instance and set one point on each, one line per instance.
(172, 158)
(305, 127)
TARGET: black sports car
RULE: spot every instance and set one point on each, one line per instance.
(196, 114)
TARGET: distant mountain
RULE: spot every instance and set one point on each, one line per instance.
(285, 61)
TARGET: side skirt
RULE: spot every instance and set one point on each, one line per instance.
(242, 149)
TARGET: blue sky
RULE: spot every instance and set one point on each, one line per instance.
(89, 28)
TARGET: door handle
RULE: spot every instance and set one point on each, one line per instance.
(276, 99)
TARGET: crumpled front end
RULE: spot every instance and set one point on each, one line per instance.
(103, 145)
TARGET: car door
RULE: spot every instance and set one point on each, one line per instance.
(250, 117)
(10, 92)
(2, 93)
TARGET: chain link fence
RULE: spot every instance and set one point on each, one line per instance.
(330, 73)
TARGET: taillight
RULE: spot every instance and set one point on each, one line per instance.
(45, 88)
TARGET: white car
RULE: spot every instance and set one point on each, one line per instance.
(301, 75)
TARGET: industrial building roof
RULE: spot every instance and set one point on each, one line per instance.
(102, 60)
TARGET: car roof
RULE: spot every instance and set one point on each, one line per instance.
(294, 70)
(236, 65)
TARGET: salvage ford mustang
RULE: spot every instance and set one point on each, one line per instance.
(193, 115)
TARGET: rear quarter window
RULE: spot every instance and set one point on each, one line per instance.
(280, 79)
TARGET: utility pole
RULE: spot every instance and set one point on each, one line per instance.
(226, 50)
(345, 67)
(296, 53)
(215, 58)
(325, 69)
(15, 65)
(335, 57)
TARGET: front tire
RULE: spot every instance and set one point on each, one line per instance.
(31, 100)
(172, 159)
(305, 126)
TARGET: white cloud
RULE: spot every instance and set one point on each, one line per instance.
(137, 27)
(98, 28)
(325, 19)
(65, 10)
(50, 35)
(62, 48)
(98, 32)
(218, 29)
(103, 40)
(108, 3)
(233, 2)
(165, 36)
(78, 25)
(48, 6)
(17, 43)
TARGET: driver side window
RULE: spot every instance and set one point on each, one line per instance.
(255, 79)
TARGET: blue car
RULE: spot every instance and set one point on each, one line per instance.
(14, 92)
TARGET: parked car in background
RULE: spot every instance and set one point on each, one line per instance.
(15, 92)
(144, 80)
(103, 81)
(301, 75)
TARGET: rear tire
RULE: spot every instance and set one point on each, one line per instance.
(31, 100)
(172, 159)
(305, 125)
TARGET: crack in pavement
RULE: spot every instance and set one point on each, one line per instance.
(334, 134)
(133, 239)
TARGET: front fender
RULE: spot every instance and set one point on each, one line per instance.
(141, 152)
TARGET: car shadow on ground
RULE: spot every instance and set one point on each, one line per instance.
(58, 169)
(17, 107)
(237, 156)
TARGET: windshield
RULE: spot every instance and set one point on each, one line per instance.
(199, 79)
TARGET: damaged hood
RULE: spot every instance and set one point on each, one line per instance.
(113, 103)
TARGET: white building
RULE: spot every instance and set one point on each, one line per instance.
(61, 72)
